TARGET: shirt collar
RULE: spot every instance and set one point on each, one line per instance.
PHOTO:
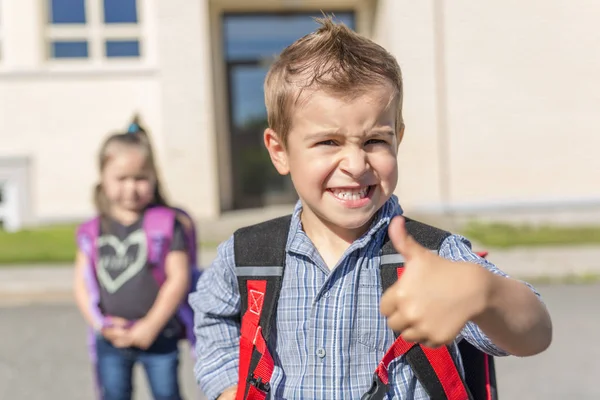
(297, 238)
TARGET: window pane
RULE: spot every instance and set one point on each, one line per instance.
(67, 11)
(120, 11)
(248, 108)
(262, 36)
(69, 49)
(122, 48)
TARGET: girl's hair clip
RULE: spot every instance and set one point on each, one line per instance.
(133, 128)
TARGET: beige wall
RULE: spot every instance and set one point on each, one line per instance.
(523, 100)
(513, 86)
(188, 115)
(406, 30)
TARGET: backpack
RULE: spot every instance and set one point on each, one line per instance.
(158, 225)
(260, 262)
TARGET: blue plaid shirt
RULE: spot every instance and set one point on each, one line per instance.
(329, 334)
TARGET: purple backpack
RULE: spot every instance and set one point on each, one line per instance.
(158, 226)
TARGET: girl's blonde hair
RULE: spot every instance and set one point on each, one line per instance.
(135, 137)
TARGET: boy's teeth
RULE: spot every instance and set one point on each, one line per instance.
(350, 194)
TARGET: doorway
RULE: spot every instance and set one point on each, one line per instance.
(251, 42)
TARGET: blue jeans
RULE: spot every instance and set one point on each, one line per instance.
(160, 361)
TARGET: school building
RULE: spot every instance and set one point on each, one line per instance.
(501, 100)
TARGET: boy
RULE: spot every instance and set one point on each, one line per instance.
(334, 103)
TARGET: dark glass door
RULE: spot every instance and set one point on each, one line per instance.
(251, 42)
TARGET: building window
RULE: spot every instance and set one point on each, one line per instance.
(93, 29)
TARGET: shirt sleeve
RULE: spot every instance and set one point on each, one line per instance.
(458, 248)
(216, 305)
(178, 243)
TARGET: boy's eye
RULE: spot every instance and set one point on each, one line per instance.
(326, 143)
(375, 141)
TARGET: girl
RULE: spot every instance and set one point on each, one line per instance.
(138, 314)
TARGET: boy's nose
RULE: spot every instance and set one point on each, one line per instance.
(354, 162)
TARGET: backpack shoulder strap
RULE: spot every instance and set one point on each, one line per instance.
(87, 236)
(260, 262)
(87, 239)
(434, 368)
(191, 239)
(158, 227)
(427, 236)
(260, 254)
(479, 367)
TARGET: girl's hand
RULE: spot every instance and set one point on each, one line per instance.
(142, 334)
(117, 332)
(118, 322)
(118, 336)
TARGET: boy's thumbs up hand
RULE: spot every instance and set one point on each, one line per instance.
(435, 297)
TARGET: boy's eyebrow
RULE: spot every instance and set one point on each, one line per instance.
(333, 133)
(322, 135)
(383, 131)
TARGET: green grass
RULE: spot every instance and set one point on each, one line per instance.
(56, 244)
(51, 244)
(587, 278)
(45, 245)
(506, 236)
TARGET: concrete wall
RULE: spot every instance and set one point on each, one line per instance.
(501, 101)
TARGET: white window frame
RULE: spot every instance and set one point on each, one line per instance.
(96, 32)
(14, 209)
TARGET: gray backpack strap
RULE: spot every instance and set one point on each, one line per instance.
(260, 254)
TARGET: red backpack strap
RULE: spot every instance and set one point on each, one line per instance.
(260, 262)
(434, 368)
(158, 225)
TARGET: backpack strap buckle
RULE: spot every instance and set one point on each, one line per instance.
(264, 387)
(377, 391)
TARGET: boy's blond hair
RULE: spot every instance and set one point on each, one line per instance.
(334, 59)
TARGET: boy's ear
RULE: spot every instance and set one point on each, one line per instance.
(400, 133)
(276, 150)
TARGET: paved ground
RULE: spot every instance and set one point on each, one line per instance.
(42, 354)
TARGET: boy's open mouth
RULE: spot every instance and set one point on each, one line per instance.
(357, 193)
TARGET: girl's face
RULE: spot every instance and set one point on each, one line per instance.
(127, 180)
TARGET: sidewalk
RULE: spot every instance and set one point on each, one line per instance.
(53, 282)
(26, 284)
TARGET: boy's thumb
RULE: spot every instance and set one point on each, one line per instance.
(402, 241)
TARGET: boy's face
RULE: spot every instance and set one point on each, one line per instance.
(341, 155)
